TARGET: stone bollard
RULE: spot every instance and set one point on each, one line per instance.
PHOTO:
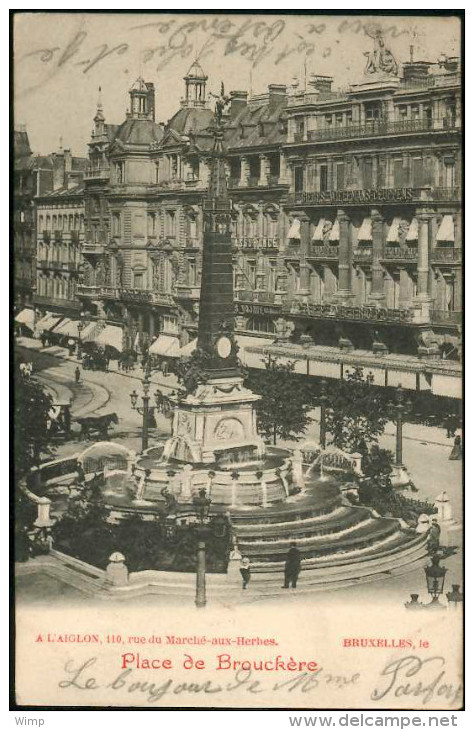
(423, 524)
(117, 571)
(43, 518)
(444, 507)
(233, 567)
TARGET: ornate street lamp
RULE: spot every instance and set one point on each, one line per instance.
(323, 400)
(435, 575)
(146, 410)
(455, 597)
(202, 503)
(80, 326)
(397, 411)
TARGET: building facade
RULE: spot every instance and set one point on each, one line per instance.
(346, 214)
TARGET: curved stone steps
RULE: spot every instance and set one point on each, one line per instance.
(337, 521)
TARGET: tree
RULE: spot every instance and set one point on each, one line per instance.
(286, 400)
(191, 371)
(356, 414)
(31, 435)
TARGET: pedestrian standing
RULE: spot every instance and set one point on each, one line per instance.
(77, 373)
(434, 535)
(245, 572)
(292, 566)
(456, 451)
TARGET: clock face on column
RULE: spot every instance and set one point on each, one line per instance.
(224, 347)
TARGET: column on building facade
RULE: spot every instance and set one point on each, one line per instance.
(377, 293)
(423, 256)
(345, 256)
(264, 170)
(244, 172)
(305, 271)
(283, 177)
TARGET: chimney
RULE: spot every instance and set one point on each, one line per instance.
(67, 160)
(238, 100)
(276, 95)
(416, 70)
(150, 97)
(321, 83)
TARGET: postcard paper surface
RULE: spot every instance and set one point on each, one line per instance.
(238, 276)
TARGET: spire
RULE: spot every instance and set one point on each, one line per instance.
(216, 303)
(99, 115)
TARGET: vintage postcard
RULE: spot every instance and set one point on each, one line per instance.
(238, 307)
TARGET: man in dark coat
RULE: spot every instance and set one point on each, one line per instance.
(292, 566)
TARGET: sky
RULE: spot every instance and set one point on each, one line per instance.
(61, 59)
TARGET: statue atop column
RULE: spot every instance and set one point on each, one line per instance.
(221, 102)
(381, 59)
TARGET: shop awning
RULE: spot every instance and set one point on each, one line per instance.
(67, 327)
(392, 235)
(446, 229)
(111, 336)
(26, 317)
(188, 349)
(412, 234)
(90, 331)
(365, 231)
(253, 359)
(319, 230)
(47, 323)
(294, 232)
(165, 345)
(334, 235)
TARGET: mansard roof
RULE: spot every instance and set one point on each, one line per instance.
(139, 132)
(190, 119)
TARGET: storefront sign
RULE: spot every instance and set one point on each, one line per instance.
(357, 196)
(256, 309)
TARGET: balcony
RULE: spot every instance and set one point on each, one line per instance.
(249, 295)
(348, 313)
(133, 295)
(400, 253)
(97, 173)
(446, 255)
(363, 254)
(377, 129)
(448, 194)
(92, 248)
(188, 292)
(84, 290)
(256, 243)
(324, 252)
(440, 316)
(75, 238)
(46, 237)
(58, 236)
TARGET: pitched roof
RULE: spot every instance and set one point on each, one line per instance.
(139, 132)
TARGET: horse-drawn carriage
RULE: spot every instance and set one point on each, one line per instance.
(96, 426)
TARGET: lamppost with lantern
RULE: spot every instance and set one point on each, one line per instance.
(80, 327)
(323, 401)
(202, 503)
(435, 575)
(146, 410)
(397, 410)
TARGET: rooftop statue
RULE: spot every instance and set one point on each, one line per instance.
(381, 59)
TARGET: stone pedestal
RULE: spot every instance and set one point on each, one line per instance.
(117, 571)
(233, 567)
(400, 477)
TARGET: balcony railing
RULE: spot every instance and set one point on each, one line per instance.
(440, 255)
(446, 193)
(363, 254)
(324, 252)
(400, 253)
(376, 129)
(97, 173)
(249, 295)
(439, 316)
(86, 290)
(255, 242)
(355, 313)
